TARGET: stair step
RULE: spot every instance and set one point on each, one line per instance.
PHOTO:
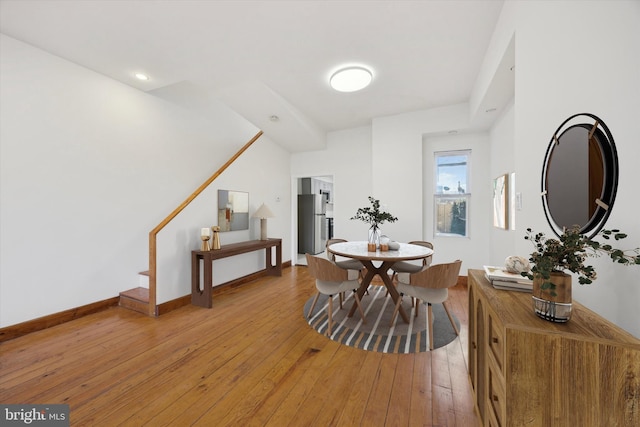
(143, 279)
(136, 299)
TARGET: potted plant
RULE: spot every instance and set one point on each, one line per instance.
(553, 257)
(373, 216)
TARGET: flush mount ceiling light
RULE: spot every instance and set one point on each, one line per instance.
(141, 76)
(350, 79)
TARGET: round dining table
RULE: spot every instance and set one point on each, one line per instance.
(384, 259)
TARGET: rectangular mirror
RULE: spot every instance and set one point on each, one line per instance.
(233, 210)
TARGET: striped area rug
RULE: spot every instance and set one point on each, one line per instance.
(377, 334)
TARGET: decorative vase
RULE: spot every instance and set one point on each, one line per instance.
(215, 241)
(374, 238)
(549, 307)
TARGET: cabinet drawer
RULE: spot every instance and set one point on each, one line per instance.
(497, 397)
(496, 339)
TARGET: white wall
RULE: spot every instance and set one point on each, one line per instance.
(263, 171)
(570, 57)
(88, 163)
(390, 162)
(348, 159)
(473, 249)
(574, 57)
(88, 167)
(398, 164)
(502, 242)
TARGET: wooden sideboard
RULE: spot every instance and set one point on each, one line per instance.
(201, 293)
(527, 371)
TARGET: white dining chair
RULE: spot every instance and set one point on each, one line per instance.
(430, 285)
(412, 267)
(346, 263)
(332, 280)
(342, 262)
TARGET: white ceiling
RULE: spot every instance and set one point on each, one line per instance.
(265, 58)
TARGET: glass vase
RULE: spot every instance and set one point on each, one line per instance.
(373, 238)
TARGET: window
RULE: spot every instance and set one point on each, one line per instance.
(451, 195)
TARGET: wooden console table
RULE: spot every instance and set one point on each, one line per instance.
(201, 294)
(527, 371)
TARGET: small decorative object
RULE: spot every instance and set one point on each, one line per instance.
(394, 246)
(263, 213)
(552, 257)
(205, 236)
(374, 217)
(215, 242)
(516, 264)
(384, 243)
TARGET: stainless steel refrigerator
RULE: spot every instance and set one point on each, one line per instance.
(312, 223)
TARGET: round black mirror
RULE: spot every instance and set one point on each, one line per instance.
(580, 175)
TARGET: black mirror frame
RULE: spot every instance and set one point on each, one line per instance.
(611, 166)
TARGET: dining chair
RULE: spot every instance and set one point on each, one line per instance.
(342, 262)
(411, 267)
(430, 285)
(347, 264)
(332, 280)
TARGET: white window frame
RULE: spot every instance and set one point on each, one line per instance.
(439, 197)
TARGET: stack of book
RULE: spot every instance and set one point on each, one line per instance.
(502, 279)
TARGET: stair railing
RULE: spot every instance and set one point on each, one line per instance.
(153, 233)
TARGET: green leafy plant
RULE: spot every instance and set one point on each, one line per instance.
(570, 253)
(373, 215)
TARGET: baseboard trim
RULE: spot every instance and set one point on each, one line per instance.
(14, 331)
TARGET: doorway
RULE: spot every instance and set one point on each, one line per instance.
(314, 215)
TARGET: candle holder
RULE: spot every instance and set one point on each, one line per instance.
(215, 243)
(384, 243)
(205, 243)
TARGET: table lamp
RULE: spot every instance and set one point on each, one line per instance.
(263, 213)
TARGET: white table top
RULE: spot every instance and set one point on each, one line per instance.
(358, 250)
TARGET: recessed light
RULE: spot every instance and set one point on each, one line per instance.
(351, 79)
(274, 118)
(141, 76)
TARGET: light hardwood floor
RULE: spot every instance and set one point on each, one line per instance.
(251, 360)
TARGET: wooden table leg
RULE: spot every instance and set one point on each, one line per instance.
(392, 289)
(195, 276)
(274, 269)
(382, 272)
(201, 297)
(279, 259)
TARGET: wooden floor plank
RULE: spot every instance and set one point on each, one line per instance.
(356, 404)
(376, 414)
(250, 360)
(421, 402)
(399, 410)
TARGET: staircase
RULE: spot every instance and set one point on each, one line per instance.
(137, 299)
(143, 298)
